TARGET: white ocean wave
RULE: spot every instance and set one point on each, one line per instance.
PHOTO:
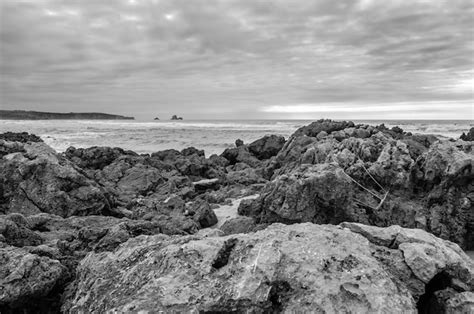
(212, 136)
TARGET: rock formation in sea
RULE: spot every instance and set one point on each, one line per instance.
(340, 217)
(175, 117)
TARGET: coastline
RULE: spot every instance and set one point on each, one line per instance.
(326, 204)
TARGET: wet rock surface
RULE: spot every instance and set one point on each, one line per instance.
(186, 232)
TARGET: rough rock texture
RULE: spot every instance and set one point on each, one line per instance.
(327, 126)
(95, 157)
(312, 193)
(267, 146)
(377, 176)
(240, 154)
(35, 179)
(302, 267)
(22, 137)
(26, 279)
(469, 136)
(239, 224)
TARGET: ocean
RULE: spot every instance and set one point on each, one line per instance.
(211, 135)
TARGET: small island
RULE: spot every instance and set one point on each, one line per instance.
(175, 117)
(39, 115)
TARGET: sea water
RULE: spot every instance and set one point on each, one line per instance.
(211, 135)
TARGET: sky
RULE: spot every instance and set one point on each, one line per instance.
(240, 59)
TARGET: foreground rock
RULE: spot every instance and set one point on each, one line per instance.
(302, 267)
(26, 279)
(330, 172)
(34, 179)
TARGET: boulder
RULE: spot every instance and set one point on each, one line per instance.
(95, 157)
(202, 213)
(240, 224)
(23, 137)
(15, 231)
(266, 147)
(192, 151)
(469, 136)
(311, 193)
(240, 154)
(25, 279)
(37, 180)
(284, 268)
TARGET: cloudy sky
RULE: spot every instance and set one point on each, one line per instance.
(240, 58)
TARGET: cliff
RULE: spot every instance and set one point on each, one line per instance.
(37, 115)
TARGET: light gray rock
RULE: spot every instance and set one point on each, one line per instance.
(300, 267)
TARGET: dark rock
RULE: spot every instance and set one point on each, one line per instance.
(166, 155)
(239, 224)
(95, 157)
(327, 126)
(397, 129)
(38, 180)
(23, 137)
(26, 278)
(175, 117)
(469, 136)
(17, 233)
(239, 142)
(192, 151)
(266, 147)
(202, 214)
(240, 154)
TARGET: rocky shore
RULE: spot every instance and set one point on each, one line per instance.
(338, 217)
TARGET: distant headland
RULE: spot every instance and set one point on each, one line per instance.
(38, 115)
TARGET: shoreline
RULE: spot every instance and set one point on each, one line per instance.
(331, 202)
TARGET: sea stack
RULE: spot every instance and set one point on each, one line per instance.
(175, 117)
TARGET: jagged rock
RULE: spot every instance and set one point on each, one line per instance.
(192, 151)
(240, 154)
(395, 178)
(267, 146)
(327, 126)
(445, 175)
(284, 268)
(202, 214)
(25, 278)
(312, 193)
(17, 233)
(239, 224)
(23, 137)
(239, 142)
(95, 157)
(38, 180)
(469, 136)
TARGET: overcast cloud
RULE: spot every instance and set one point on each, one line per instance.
(240, 59)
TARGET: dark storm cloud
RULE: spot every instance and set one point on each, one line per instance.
(250, 58)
